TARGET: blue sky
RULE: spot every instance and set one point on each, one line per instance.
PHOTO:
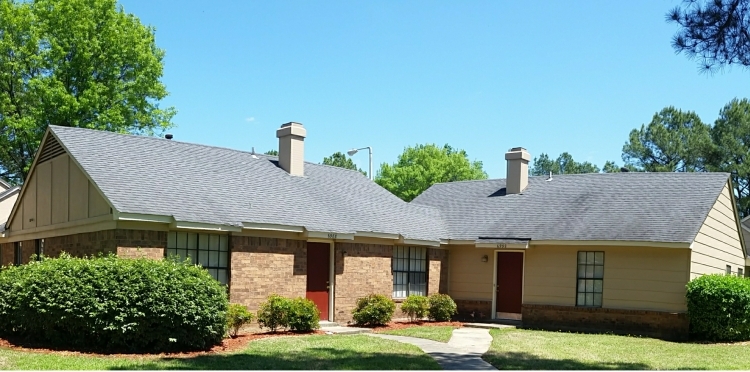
(483, 76)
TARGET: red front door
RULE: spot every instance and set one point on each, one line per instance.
(509, 282)
(318, 271)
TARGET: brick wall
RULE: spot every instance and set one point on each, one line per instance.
(7, 254)
(79, 245)
(28, 249)
(438, 271)
(474, 309)
(364, 269)
(141, 243)
(262, 266)
(669, 326)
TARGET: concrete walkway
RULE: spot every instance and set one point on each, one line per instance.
(463, 351)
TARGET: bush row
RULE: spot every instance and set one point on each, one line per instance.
(377, 309)
(297, 314)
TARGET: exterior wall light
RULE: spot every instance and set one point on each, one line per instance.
(485, 258)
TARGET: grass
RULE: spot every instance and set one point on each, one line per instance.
(526, 349)
(435, 333)
(305, 352)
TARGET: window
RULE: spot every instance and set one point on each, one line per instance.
(590, 279)
(19, 252)
(39, 249)
(208, 250)
(740, 272)
(729, 270)
(409, 267)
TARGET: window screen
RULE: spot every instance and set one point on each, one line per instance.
(208, 250)
(409, 265)
(590, 279)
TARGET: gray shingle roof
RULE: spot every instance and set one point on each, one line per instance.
(205, 184)
(197, 183)
(652, 207)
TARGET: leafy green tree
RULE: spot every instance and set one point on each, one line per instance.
(612, 167)
(731, 136)
(713, 31)
(79, 63)
(564, 164)
(674, 141)
(272, 152)
(338, 159)
(421, 166)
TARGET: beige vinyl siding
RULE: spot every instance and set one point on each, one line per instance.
(550, 275)
(717, 243)
(57, 192)
(643, 278)
(60, 180)
(469, 277)
(29, 204)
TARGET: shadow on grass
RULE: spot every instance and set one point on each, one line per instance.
(526, 361)
(305, 359)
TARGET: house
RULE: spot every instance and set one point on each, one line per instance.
(594, 252)
(8, 196)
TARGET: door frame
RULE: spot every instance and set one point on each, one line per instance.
(331, 274)
(494, 277)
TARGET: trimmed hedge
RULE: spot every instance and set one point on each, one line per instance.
(719, 307)
(298, 314)
(415, 307)
(375, 309)
(111, 304)
(441, 307)
(237, 317)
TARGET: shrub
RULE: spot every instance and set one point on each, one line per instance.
(415, 307)
(237, 317)
(374, 309)
(441, 307)
(303, 316)
(719, 307)
(113, 304)
(273, 314)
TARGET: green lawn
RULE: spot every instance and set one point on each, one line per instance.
(305, 352)
(435, 333)
(525, 349)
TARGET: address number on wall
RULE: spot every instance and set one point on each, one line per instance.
(332, 235)
(502, 246)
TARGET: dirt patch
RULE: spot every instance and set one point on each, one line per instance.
(227, 345)
(407, 324)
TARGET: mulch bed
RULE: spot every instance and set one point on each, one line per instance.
(227, 345)
(401, 324)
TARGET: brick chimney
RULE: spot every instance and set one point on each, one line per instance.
(292, 148)
(518, 170)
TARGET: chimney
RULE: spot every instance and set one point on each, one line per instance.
(518, 170)
(292, 148)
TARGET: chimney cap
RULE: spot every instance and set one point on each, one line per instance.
(168, 136)
(517, 153)
(291, 129)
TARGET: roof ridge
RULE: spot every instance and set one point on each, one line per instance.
(186, 143)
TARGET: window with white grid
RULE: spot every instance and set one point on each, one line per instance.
(409, 265)
(208, 250)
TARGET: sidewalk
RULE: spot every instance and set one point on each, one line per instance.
(463, 351)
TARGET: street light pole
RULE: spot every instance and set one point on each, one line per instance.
(369, 149)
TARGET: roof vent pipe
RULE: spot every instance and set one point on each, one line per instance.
(168, 136)
(518, 170)
(292, 148)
